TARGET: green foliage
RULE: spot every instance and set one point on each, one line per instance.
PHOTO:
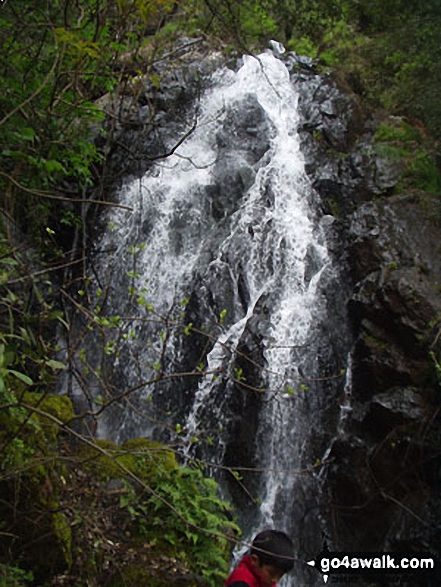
(196, 524)
(28, 308)
(400, 132)
(305, 19)
(174, 508)
(14, 576)
(339, 39)
(404, 144)
(241, 24)
(180, 512)
(56, 59)
(256, 21)
(26, 434)
(422, 172)
(43, 99)
(5, 373)
(302, 46)
(15, 451)
(403, 55)
(30, 484)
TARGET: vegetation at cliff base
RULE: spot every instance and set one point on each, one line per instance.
(132, 514)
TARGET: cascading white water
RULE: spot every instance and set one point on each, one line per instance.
(268, 243)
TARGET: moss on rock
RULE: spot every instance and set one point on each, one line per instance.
(143, 458)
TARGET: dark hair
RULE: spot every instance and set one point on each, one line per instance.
(274, 547)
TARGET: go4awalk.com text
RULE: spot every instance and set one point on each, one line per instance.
(359, 564)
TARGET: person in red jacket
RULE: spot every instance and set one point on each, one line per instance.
(270, 557)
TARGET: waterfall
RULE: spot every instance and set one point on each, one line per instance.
(227, 303)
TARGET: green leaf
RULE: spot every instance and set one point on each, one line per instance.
(9, 261)
(222, 316)
(27, 134)
(55, 364)
(21, 376)
(53, 166)
(156, 80)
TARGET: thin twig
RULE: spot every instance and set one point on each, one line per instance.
(43, 194)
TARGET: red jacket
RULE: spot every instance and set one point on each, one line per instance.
(247, 573)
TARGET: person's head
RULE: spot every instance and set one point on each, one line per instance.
(272, 554)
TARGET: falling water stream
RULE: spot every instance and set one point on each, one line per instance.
(229, 229)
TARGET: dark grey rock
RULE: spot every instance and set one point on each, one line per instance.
(382, 483)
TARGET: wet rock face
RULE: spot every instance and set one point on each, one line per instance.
(384, 478)
(381, 490)
(244, 137)
(150, 112)
(337, 141)
(396, 403)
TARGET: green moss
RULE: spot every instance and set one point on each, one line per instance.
(58, 406)
(404, 144)
(26, 434)
(144, 458)
(423, 173)
(39, 432)
(392, 153)
(398, 131)
(63, 535)
(149, 457)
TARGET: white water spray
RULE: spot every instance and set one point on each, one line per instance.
(271, 237)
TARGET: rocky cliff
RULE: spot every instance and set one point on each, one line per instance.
(381, 482)
(382, 485)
